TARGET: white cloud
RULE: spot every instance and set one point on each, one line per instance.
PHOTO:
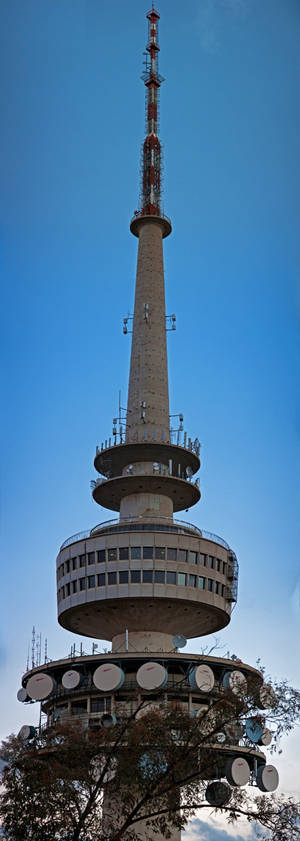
(215, 828)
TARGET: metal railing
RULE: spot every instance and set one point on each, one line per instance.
(138, 524)
(193, 445)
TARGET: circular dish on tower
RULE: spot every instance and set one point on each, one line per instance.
(266, 737)
(151, 676)
(202, 678)
(218, 794)
(71, 679)
(108, 677)
(254, 729)
(40, 686)
(22, 694)
(27, 732)
(236, 681)
(267, 778)
(267, 696)
(237, 771)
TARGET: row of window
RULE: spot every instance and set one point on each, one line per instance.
(136, 553)
(138, 576)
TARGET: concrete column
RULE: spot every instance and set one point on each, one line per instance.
(148, 379)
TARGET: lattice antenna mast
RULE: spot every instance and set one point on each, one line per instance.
(151, 154)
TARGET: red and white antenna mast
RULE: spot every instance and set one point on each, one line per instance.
(151, 153)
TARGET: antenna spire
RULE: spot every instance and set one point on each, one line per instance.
(151, 150)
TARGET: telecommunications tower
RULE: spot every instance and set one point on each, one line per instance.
(146, 580)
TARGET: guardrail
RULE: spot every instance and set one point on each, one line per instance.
(168, 525)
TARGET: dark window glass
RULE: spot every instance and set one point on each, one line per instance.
(171, 577)
(202, 559)
(192, 557)
(171, 554)
(123, 576)
(101, 579)
(209, 584)
(79, 707)
(210, 561)
(124, 553)
(148, 552)
(112, 578)
(201, 582)
(112, 554)
(67, 566)
(81, 560)
(97, 705)
(192, 580)
(159, 576)
(136, 553)
(74, 586)
(101, 556)
(91, 581)
(224, 568)
(68, 589)
(217, 586)
(61, 570)
(147, 576)
(74, 563)
(91, 558)
(160, 553)
(82, 583)
(223, 589)
(218, 564)
(182, 554)
(135, 576)
(63, 592)
(181, 578)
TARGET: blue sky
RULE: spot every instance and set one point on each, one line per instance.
(72, 108)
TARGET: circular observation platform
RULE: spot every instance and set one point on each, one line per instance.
(110, 492)
(139, 219)
(112, 460)
(145, 580)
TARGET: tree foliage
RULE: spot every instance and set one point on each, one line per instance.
(71, 784)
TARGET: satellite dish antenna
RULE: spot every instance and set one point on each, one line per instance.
(179, 641)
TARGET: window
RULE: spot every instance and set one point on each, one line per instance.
(68, 589)
(135, 576)
(91, 558)
(217, 587)
(111, 554)
(224, 567)
(79, 707)
(171, 554)
(148, 552)
(61, 571)
(101, 579)
(123, 576)
(74, 563)
(210, 561)
(223, 589)
(82, 583)
(182, 555)
(74, 586)
(160, 553)
(82, 560)
(192, 580)
(159, 576)
(202, 559)
(136, 553)
(147, 576)
(91, 581)
(201, 582)
(112, 578)
(101, 556)
(218, 564)
(181, 578)
(209, 584)
(100, 705)
(124, 553)
(192, 557)
(63, 592)
(67, 566)
(171, 577)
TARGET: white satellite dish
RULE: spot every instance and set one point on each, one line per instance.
(40, 686)
(108, 677)
(179, 641)
(152, 676)
(22, 694)
(202, 678)
(71, 679)
(27, 732)
(237, 771)
(267, 778)
(235, 681)
(267, 696)
(266, 737)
